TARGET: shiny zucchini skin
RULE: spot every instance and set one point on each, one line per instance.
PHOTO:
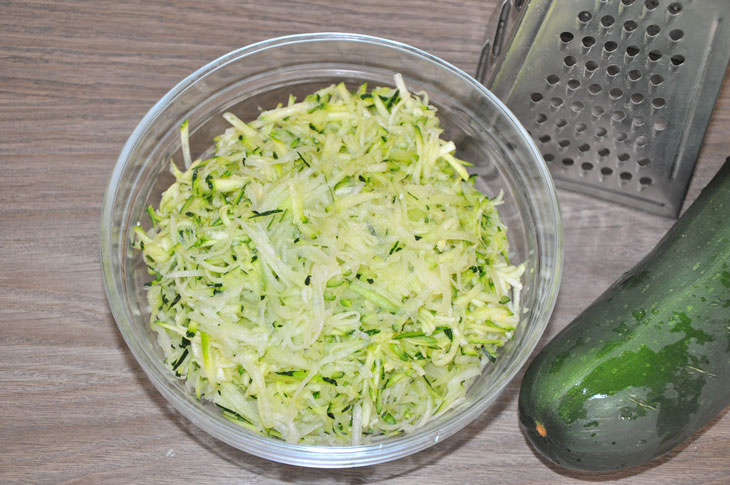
(648, 363)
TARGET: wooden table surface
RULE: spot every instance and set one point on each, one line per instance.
(75, 79)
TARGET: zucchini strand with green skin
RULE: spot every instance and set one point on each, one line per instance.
(316, 277)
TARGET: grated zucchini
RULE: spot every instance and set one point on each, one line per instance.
(332, 271)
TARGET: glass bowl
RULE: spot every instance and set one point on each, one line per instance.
(260, 76)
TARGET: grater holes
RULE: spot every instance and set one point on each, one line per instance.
(639, 120)
(584, 147)
(601, 132)
(580, 127)
(658, 103)
(573, 84)
(674, 8)
(677, 60)
(618, 116)
(585, 16)
(641, 141)
(588, 41)
(616, 93)
(621, 136)
(606, 171)
(604, 152)
(645, 181)
(556, 102)
(637, 98)
(561, 123)
(630, 26)
(536, 97)
(566, 37)
(586, 166)
(610, 46)
(568, 162)
(655, 56)
(594, 89)
(653, 30)
(625, 176)
(607, 21)
(623, 157)
(627, 2)
(651, 4)
(544, 139)
(569, 61)
(656, 79)
(548, 157)
(676, 34)
(564, 143)
(632, 50)
(591, 66)
(660, 125)
(597, 111)
(576, 107)
(613, 70)
(634, 75)
(643, 162)
(552, 79)
(540, 118)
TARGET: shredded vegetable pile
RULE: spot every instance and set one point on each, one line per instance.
(330, 275)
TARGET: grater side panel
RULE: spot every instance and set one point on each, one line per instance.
(618, 94)
(522, 34)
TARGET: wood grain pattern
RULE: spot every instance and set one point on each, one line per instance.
(75, 79)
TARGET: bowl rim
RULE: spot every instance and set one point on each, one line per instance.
(301, 454)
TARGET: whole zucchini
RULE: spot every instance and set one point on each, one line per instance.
(648, 363)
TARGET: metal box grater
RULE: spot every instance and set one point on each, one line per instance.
(616, 93)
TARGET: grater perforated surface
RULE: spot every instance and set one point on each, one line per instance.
(616, 93)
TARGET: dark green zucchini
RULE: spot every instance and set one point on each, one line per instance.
(648, 363)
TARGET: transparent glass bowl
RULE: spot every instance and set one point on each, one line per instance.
(260, 76)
